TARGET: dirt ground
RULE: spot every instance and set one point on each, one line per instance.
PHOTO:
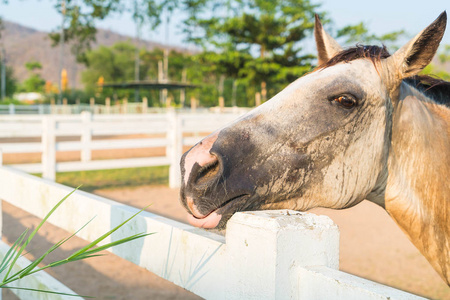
(372, 246)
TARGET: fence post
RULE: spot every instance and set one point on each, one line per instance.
(86, 135)
(221, 104)
(108, 105)
(144, 105)
(66, 108)
(193, 104)
(49, 148)
(40, 109)
(125, 106)
(174, 148)
(257, 99)
(268, 248)
(52, 106)
(12, 109)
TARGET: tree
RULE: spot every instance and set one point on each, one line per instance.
(79, 19)
(434, 69)
(79, 22)
(255, 41)
(359, 33)
(115, 64)
(10, 81)
(34, 82)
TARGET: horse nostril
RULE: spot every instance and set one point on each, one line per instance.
(208, 172)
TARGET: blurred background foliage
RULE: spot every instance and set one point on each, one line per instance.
(244, 47)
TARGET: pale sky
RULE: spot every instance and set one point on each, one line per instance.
(381, 16)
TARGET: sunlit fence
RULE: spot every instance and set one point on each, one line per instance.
(119, 108)
(86, 132)
(264, 255)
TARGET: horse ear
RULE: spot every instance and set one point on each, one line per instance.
(327, 47)
(417, 53)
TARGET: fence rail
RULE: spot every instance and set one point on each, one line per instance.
(264, 255)
(123, 108)
(171, 131)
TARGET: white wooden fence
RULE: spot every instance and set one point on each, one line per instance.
(177, 130)
(264, 255)
(123, 108)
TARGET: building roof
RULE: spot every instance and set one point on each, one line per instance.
(151, 85)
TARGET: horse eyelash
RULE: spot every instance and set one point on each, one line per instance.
(333, 99)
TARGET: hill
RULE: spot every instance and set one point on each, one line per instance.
(24, 44)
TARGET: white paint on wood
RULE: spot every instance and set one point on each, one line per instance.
(265, 255)
(48, 148)
(318, 282)
(112, 164)
(169, 128)
(40, 280)
(175, 149)
(86, 136)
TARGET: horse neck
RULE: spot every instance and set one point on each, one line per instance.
(417, 194)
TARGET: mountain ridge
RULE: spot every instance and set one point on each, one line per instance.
(24, 44)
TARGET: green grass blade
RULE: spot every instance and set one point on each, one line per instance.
(44, 291)
(104, 236)
(116, 243)
(61, 262)
(10, 253)
(22, 248)
(24, 272)
(18, 248)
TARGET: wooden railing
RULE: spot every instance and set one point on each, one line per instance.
(264, 255)
(170, 130)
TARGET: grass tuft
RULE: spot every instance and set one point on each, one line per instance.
(91, 250)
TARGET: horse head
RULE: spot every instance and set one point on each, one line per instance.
(323, 141)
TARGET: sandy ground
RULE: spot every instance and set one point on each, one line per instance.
(372, 246)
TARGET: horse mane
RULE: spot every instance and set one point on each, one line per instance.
(433, 87)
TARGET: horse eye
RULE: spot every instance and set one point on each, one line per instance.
(346, 101)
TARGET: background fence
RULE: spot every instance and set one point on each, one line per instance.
(119, 108)
(49, 134)
(264, 255)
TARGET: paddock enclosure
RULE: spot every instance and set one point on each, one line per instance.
(299, 250)
(263, 255)
(164, 135)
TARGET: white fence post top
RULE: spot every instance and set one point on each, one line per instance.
(284, 219)
(267, 248)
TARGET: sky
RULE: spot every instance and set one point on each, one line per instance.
(381, 16)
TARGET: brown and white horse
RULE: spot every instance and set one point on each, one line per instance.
(361, 126)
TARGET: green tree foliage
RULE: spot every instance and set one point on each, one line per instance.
(79, 22)
(444, 55)
(34, 82)
(359, 33)
(2, 27)
(438, 70)
(80, 17)
(253, 41)
(116, 65)
(33, 66)
(11, 82)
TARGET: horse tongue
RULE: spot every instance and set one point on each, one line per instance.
(210, 221)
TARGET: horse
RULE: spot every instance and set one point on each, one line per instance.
(362, 125)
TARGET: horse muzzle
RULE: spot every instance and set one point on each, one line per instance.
(204, 191)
